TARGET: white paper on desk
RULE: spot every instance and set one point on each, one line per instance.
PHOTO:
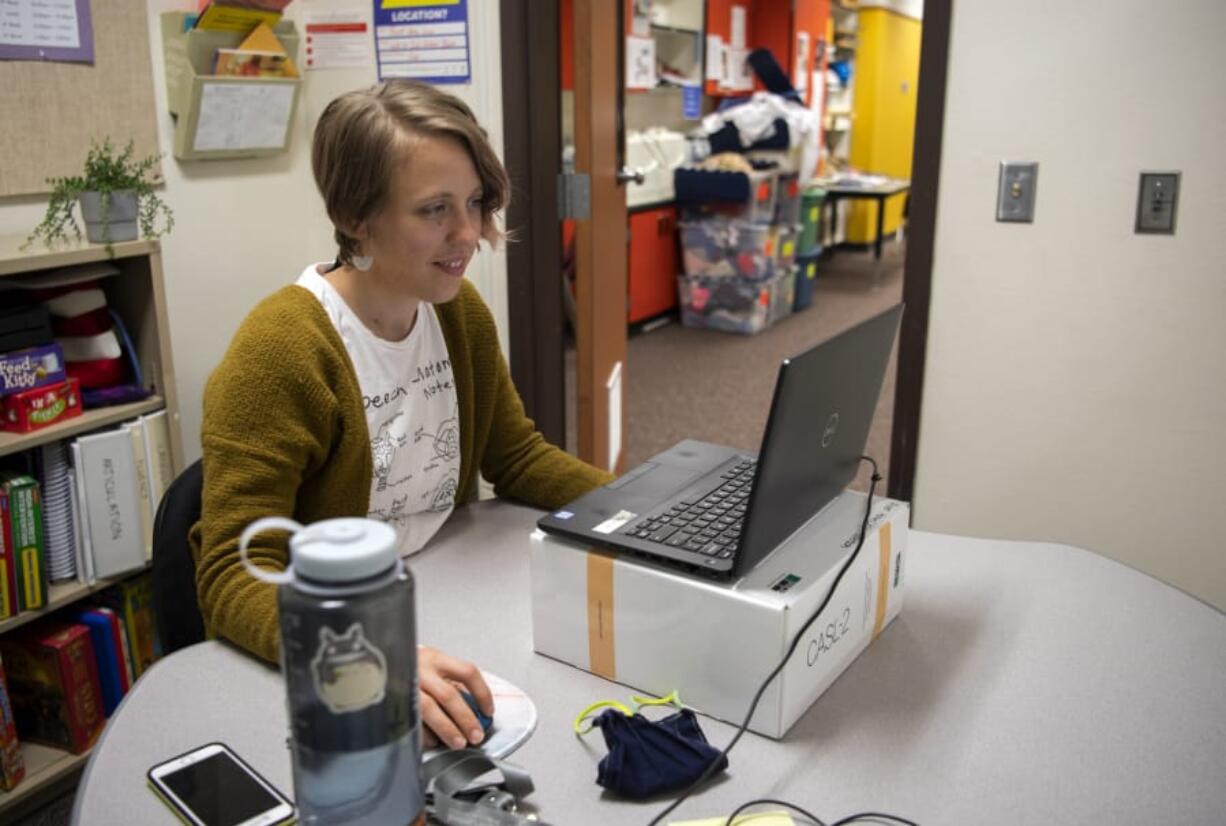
(243, 115)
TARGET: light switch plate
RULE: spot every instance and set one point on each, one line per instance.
(1157, 200)
(1015, 191)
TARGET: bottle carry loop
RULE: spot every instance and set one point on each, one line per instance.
(452, 799)
(266, 524)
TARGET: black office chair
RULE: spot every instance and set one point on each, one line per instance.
(175, 606)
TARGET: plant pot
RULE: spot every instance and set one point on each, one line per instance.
(116, 223)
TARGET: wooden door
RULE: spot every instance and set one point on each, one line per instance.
(601, 237)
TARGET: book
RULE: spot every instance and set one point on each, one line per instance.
(111, 517)
(156, 431)
(132, 601)
(106, 655)
(248, 63)
(120, 636)
(224, 18)
(12, 764)
(53, 683)
(144, 501)
(21, 513)
(8, 566)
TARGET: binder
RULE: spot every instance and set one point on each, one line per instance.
(156, 431)
(136, 431)
(112, 516)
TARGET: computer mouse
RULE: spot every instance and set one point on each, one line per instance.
(486, 722)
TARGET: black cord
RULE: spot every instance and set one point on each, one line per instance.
(765, 800)
(874, 816)
(753, 706)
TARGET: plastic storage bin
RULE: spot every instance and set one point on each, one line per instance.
(744, 196)
(733, 305)
(811, 203)
(806, 281)
(785, 245)
(783, 295)
(718, 248)
(787, 198)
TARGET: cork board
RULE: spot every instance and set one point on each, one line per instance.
(53, 110)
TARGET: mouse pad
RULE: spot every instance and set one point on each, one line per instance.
(514, 719)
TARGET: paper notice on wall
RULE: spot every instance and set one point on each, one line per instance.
(338, 40)
(740, 73)
(423, 40)
(244, 115)
(614, 388)
(737, 17)
(640, 63)
(715, 58)
(800, 73)
(57, 30)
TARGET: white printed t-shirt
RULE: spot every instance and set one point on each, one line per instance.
(412, 415)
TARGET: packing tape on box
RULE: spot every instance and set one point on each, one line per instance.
(600, 615)
(883, 576)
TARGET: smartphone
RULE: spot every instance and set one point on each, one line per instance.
(212, 786)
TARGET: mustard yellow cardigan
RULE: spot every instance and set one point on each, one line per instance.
(284, 434)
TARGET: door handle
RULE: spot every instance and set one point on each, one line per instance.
(627, 173)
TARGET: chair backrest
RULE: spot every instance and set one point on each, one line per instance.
(175, 606)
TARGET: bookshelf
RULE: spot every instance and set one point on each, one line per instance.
(137, 294)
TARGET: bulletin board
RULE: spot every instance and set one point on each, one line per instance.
(52, 111)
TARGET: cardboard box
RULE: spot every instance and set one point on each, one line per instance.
(44, 406)
(657, 630)
(21, 520)
(30, 368)
(12, 764)
(53, 683)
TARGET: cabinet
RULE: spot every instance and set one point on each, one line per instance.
(137, 294)
(653, 263)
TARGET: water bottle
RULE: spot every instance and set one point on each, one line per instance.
(349, 656)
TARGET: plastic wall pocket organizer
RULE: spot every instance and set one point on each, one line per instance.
(219, 117)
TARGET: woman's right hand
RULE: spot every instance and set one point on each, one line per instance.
(446, 715)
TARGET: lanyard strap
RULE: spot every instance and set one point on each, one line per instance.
(456, 801)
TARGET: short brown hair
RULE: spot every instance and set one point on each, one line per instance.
(362, 135)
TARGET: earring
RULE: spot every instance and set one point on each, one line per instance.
(363, 262)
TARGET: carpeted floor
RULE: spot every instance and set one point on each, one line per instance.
(716, 387)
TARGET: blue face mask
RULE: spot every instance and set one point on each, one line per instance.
(651, 757)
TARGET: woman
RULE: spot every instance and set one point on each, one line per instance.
(374, 386)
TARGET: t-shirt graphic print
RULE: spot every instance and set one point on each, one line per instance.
(412, 415)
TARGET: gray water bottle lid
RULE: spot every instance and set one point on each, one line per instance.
(343, 550)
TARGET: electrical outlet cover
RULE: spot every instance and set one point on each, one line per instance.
(1157, 200)
(1015, 191)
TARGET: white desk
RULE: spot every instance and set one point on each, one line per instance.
(1023, 683)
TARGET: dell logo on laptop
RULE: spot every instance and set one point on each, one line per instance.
(832, 425)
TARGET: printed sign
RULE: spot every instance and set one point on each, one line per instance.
(423, 40)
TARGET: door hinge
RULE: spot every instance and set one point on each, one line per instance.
(574, 195)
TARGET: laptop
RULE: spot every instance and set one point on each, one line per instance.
(708, 509)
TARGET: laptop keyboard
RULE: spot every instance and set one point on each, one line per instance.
(710, 525)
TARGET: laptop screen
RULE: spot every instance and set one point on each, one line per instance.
(819, 421)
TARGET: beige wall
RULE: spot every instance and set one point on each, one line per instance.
(1074, 388)
(245, 228)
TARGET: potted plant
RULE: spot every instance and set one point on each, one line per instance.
(116, 196)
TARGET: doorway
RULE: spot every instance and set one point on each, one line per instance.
(537, 330)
